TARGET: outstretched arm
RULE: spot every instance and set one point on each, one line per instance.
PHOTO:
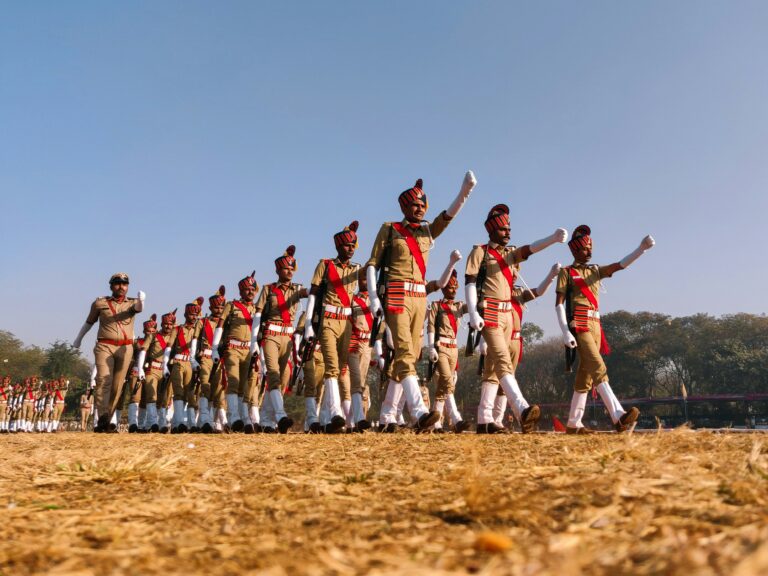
(547, 282)
(558, 236)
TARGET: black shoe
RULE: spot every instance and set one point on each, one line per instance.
(462, 426)
(206, 429)
(284, 425)
(494, 428)
(426, 421)
(529, 418)
(315, 428)
(268, 430)
(238, 426)
(363, 425)
(336, 425)
(194, 430)
(248, 429)
(133, 429)
(102, 425)
(164, 430)
(390, 428)
(154, 429)
(440, 430)
(226, 429)
(257, 429)
(183, 429)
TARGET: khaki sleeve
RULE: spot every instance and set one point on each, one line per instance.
(432, 317)
(93, 315)
(516, 256)
(317, 277)
(225, 314)
(133, 310)
(379, 246)
(463, 309)
(562, 281)
(604, 272)
(147, 343)
(474, 261)
(261, 301)
(523, 295)
(198, 329)
(439, 224)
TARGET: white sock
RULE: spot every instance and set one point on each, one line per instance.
(611, 402)
(413, 397)
(151, 417)
(578, 404)
(233, 408)
(277, 404)
(178, 412)
(388, 413)
(488, 392)
(310, 407)
(191, 417)
(357, 407)
(453, 411)
(142, 420)
(439, 406)
(133, 413)
(203, 415)
(253, 413)
(514, 395)
(499, 407)
(222, 414)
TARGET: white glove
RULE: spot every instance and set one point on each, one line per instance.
(166, 359)
(296, 344)
(466, 188)
(559, 235)
(192, 353)
(139, 305)
(433, 355)
(475, 320)
(547, 282)
(142, 296)
(446, 275)
(195, 364)
(216, 341)
(255, 332)
(482, 347)
(568, 338)
(83, 331)
(93, 377)
(376, 308)
(646, 244)
(309, 332)
(215, 356)
(140, 364)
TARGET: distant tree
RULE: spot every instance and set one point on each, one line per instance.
(61, 359)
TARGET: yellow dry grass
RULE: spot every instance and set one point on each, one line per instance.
(677, 503)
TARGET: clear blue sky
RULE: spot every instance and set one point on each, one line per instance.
(187, 143)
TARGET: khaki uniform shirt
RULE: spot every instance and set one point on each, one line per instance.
(401, 264)
(438, 321)
(117, 326)
(190, 333)
(235, 324)
(267, 302)
(496, 285)
(348, 276)
(591, 273)
(153, 347)
(359, 321)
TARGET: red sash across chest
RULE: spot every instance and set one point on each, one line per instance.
(365, 309)
(451, 317)
(163, 343)
(208, 329)
(413, 247)
(282, 305)
(338, 285)
(182, 341)
(245, 312)
(582, 324)
(504, 267)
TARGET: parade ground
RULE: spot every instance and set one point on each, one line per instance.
(681, 502)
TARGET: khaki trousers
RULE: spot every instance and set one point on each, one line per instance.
(314, 374)
(445, 369)
(58, 410)
(3, 411)
(84, 413)
(236, 363)
(334, 342)
(28, 410)
(112, 364)
(153, 377)
(277, 353)
(211, 383)
(181, 380)
(503, 353)
(359, 363)
(406, 328)
(591, 371)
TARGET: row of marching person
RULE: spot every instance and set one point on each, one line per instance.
(229, 370)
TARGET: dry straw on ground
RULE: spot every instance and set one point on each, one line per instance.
(676, 503)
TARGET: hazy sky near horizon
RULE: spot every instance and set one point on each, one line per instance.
(188, 142)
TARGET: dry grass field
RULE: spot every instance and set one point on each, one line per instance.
(670, 503)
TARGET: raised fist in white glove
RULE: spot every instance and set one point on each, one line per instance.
(142, 296)
(433, 355)
(569, 340)
(469, 182)
(476, 321)
(455, 256)
(555, 270)
(647, 243)
(561, 235)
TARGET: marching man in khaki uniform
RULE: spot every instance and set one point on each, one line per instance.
(133, 390)
(183, 364)
(335, 281)
(401, 250)
(495, 266)
(234, 333)
(314, 370)
(114, 343)
(275, 313)
(360, 356)
(5, 397)
(211, 390)
(86, 405)
(153, 367)
(442, 330)
(578, 286)
(59, 395)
